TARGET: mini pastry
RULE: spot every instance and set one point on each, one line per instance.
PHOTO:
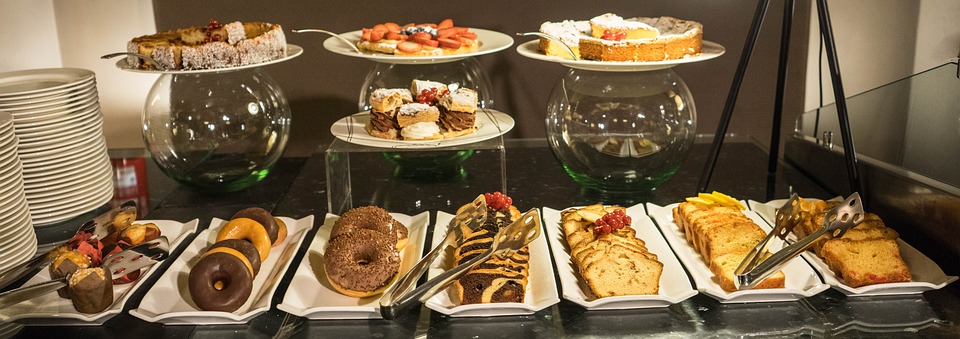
(65, 264)
(384, 104)
(91, 289)
(458, 112)
(138, 234)
(419, 122)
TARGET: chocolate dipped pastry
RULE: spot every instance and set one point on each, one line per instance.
(65, 264)
(221, 281)
(263, 217)
(244, 247)
(91, 289)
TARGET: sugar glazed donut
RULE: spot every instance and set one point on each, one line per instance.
(361, 263)
(362, 257)
(222, 280)
(371, 218)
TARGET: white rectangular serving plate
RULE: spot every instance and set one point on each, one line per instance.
(541, 291)
(168, 301)
(674, 284)
(310, 294)
(801, 280)
(927, 275)
(52, 310)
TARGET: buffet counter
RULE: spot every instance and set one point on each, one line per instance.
(298, 187)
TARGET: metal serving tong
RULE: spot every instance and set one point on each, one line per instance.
(507, 241)
(754, 268)
(119, 264)
(98, 227)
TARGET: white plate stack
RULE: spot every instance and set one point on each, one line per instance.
(19, 242)
(56, 115)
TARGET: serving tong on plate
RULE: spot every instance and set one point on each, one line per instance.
(119, 264)
(755, 267)
(508, 240)
(99, 227)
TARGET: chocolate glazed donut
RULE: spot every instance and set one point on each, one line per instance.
(371, 218)
(220, 282)
(263, 217)
(361, 263)
(244, 247)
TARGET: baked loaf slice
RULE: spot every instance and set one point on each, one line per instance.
(611, 264)
(723, 236)
(214, 46)
(866, 254)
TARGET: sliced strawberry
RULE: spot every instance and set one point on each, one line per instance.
(446, 23)
(462, 29)
(394, 36)
(366, 34)
(466, 42)
(381, 28)
(449, 43)
(409, 47)
(468, 35)
(421, 35)
(392, 26)
(431, 43)
(376, 35)
(446, 33)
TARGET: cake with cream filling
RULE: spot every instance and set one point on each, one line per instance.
(609, 37)
(426, 111)
(213, 46)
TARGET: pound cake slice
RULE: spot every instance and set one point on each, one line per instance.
(865, 262)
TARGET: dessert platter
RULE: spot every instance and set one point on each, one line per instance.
(427, 115)
(418, 43)
(612, 43)
(907, 270)
(668, 283)
(519, 284)
(212, 48)
(712, 233)
(304, 298)
(84, 254)
(221, 279)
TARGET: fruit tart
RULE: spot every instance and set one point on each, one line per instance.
(419, 39)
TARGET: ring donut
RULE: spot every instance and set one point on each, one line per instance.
(372, 218)
(244, 248)
(220, 281)
(361, 263)
(263, 217)
(249, 230)
(281, 231)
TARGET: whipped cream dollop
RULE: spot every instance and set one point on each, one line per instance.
(420, 130)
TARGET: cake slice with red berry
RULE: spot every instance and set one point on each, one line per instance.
(213, 46)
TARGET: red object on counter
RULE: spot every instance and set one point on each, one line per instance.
(130, 183)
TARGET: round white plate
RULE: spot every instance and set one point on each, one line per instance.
(88, 188)
(293, 51)
(59, 187)
(531, 49)
(79, 129)
(43, 126)
(351, 129)
(67, 213)
(15, 204)
(43, 167)
(55, 112)
(490, 42)
(54, 207)
(78, 167)
(57, 100)
(17, 234)
(20, 84)
(20, 254)
(50, 95)
(91, 141)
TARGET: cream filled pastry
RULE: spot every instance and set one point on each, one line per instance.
(427, 111)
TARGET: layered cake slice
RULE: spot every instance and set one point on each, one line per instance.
(419, 122)
(569, 33)
(384, 104)
(458, 112)
(610, 37)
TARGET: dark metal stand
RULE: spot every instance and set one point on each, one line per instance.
(827, 33)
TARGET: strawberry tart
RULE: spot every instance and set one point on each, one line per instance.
(419, 39)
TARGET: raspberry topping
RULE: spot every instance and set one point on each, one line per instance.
(615, 36)
(429, 96)
(211, 26)
(498, 201)
(611, 222)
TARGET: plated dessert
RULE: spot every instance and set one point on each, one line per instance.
(222, 280)
(865, 255)
(608, 255)
(212, 46)
(362, 257)
(717, 229)
(418, 39)
(428, 110)
(90, 287)
(610, 37)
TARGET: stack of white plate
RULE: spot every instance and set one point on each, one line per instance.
(19, 242)
(56, 115)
